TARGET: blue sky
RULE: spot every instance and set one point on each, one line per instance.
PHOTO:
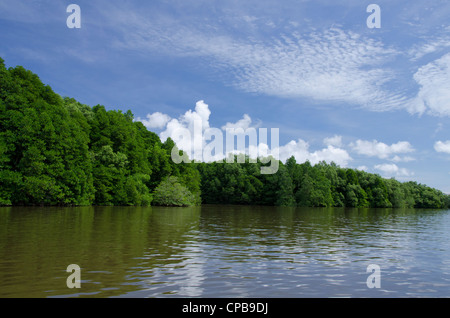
(376, 99)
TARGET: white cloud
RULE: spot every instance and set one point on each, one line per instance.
(380, 149)
(191, 124)
(390, 170)
(194, 124)
(331, 154)
(155, 120)
(300, 150)
(189, 132)
(333, 141)
(387, 168)
(397, 158)
(243, 123)
(434, 93)
(442, 146)
(333, 65)
(432, 45)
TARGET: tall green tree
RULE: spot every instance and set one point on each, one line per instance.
(45, 145)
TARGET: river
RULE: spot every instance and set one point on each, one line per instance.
(224, 251)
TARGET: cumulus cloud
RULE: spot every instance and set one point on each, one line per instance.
(380, 149)
(391, 170)
(190, 133)
(387, 168)
(187, 131)
(243, 123)
(331, 154)
(300, 150)
(156, 120)
(442, 146)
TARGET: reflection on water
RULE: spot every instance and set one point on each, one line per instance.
(223, 251)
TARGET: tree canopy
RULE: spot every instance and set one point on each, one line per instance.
(321, 185)
(57, 151)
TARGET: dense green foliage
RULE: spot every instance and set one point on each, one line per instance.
(321, 185)
(57, 151)
(171, 192)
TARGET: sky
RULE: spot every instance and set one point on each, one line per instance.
(336, 88)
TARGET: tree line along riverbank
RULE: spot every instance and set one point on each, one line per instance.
(57, 151)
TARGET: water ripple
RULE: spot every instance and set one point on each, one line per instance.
(227, 252)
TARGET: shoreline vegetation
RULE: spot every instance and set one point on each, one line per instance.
(57, 151)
